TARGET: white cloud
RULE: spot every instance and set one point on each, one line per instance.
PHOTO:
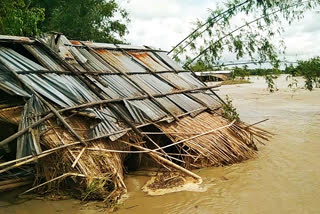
(163, 23)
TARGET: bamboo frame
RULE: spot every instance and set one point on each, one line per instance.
(92, 104)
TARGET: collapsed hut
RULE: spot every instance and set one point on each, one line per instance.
(78, 115)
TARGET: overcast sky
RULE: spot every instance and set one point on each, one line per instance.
(163, 23)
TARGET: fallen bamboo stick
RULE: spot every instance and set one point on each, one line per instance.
(199, 135)
(49, 151)
(14, 185)
(54, 179)
(91, 104)
(78, 157)
(59, 177)
(22, 131)
(15, 180)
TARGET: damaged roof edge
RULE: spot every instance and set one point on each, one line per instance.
(22, 39)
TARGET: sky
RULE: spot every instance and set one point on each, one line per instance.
(163, 23)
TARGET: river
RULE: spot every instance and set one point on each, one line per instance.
(284, 178)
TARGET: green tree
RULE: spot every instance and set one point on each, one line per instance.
(18, 18)
(97, 20)
(310, 70)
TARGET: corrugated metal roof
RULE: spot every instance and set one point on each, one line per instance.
(168, 60)
(187, 76)
(120, 61)
(94, 63)
(44, 58)
(9, 84)
(67, 90)
(149, 60)
(29, 143)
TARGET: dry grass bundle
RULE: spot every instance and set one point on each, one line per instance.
(229, 145)
(102, 172)
(11, 115)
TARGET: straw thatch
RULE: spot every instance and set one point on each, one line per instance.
(93, 163)
(229, 145)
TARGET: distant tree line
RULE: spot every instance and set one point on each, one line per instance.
(308, 69)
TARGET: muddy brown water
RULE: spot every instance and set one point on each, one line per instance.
(284, 178)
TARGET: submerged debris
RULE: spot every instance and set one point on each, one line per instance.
(169, 182)
(81, 114)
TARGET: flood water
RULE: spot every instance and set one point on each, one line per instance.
(284, 178)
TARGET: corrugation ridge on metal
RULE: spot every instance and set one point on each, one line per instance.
(107, 93)
(168, 60)
(187, 76)
(177, 80)
(43, 58)
(150, 61)
(121, 86)
(64, 90)
(120, 61)
(94, 62)
(17, 62)
(144, 110)
(49, 91)
(10, 84)
(157, 86)
(185, 102)
(207, 99)
(155, 83)
(173, 108)
(109, 124)
(73, 50)
(27, 143)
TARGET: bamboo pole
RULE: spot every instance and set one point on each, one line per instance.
(59, 177)
(91, 104)
(48, 152)
(78, 157)
(136, 84)
(15, 180)
(22, 131)
(88, 140)
(94, 73)
(14, 185)
(53, 109)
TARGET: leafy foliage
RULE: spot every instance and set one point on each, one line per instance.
(229, 111)
(20, 19)
(98, 20)
(270, 82)
(309, 69)
(217, 35)
(240, 72)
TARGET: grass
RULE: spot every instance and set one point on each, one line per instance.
(235, 81)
